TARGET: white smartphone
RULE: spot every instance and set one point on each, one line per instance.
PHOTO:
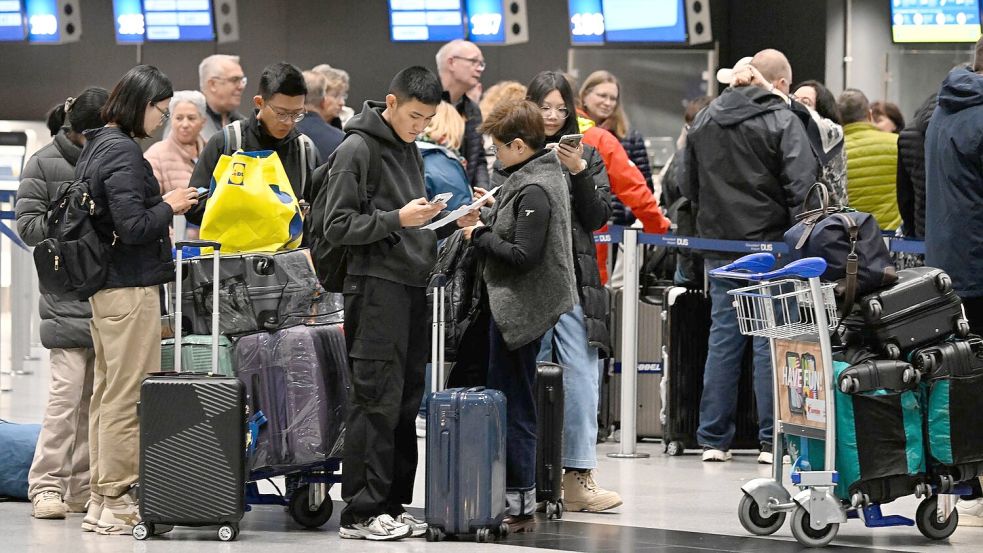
(572, 140)
(442, 198)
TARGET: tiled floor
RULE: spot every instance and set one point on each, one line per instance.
(672, 504)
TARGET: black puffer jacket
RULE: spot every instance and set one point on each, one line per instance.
(911, 170)
(590, 202)
(131, 212)
(64, 324)
(634, 145)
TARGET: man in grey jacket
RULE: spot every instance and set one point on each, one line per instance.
(386, 320)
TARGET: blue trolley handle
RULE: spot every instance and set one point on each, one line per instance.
(756, 265)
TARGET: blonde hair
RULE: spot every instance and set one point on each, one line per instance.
(500, 92)
(447, 127)
(618, 121)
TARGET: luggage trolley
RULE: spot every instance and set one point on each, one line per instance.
(796, 312)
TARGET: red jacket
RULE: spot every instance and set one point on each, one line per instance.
(627, 183)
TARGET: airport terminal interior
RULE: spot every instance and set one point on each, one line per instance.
(886, 58)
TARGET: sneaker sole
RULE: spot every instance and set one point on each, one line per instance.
(114, 530)
(356, 535)
(49, 515)
(970, 521)
(89, 527)
(588, 508)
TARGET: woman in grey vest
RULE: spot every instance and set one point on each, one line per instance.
(528, 277)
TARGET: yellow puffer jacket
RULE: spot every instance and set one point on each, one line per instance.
(871, 172)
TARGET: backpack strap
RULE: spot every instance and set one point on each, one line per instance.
(375, 164)
(233, 137)
(308, 161)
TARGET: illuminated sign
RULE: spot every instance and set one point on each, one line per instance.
(425, 20)
(128, 16)
(12, 21)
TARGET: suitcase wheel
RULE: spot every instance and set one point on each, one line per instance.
(926, 362)
(675, 448)
(300, 508)
(228, 532)
(911, 376)
(892, 351)
(434, 533)
(483, 535)
(554, 509)
(962, 328)
(848, 384)
(141, 531)
(874, 309)
(943, 282)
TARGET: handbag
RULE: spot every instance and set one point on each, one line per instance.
(850, 241)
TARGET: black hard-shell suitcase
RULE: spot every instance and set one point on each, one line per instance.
(686, 335)
(918, 310)
(549, 438)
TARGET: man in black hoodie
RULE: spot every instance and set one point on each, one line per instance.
(749, 165)
(386, 320)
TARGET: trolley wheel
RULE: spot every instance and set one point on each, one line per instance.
(943, 282)
(911, 376)
(675, 448)
(928, 523)
(804, 533)
(300, 509)
(435, 534)
(482, 535)
(874, 309)
(142, 531)
(892, 351)
(228, 532)
(962, 328)
(752, 521)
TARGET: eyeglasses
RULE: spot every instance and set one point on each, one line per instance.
(560, 112)
(478, 62)
(609, 97)
(165, 114)
(493, 149)
(284, 116)
(339, 96)
(234, 81)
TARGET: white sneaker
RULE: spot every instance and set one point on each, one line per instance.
(970, 512)
(766, 458)
(421, 427)
(417, 526)
(93, 511)
(380, 528)
(711, 455)
(48, 505)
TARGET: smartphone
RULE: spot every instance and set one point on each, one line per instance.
(572, 140)
(203, 193)
(441, 198)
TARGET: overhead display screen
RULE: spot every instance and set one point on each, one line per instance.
(935, 20)
(128, 16)
(425, 20)
(634, 21)
(42, 21)
(178, 20)
(12, 21)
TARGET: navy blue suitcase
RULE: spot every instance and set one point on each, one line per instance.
(465, 463)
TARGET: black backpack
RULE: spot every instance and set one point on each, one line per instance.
(73, 260)
(331, 260)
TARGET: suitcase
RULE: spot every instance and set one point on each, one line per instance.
(298, 378)
(192, 443)
(648, 419)
(686, 332)
(465, 463)
(953, 403)
(258, 291)
(549, 438)
(918, 310)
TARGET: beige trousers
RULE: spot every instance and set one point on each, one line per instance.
(61, 460)
(126, 335)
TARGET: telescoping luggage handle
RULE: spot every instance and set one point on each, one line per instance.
(757, 267)
(179, 247)
(438, 285)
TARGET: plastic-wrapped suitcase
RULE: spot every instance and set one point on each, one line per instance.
(918, 310)
(196, 351)
(549, 438)
(686, 334)
(953, 403)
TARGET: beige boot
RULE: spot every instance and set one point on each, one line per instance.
(581, 493)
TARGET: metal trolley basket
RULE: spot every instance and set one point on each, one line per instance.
(795, 310)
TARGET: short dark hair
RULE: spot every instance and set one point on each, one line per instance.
(853, 105)
(548, 81)
(825, 101)
(127, 104)
(513, 119)
(282, 78)
(417, 83)
(694, 106)
(889, 110)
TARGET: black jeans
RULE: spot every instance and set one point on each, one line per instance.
(388, 337)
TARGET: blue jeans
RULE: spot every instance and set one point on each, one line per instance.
(580, 387)
(723, 371)
(513, 372)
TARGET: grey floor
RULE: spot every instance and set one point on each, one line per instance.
(671, 504)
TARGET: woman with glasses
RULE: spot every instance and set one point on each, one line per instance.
(173, 158)
(827, 143)
(133, 219)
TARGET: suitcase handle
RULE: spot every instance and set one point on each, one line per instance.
(179, 276)
(197, 244)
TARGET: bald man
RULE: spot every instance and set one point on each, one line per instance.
(460, 65)
(749, 165)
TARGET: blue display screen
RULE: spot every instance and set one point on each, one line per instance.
(12, 21)
(935, 20)
(128, 15)
(178, 20)
(42, 21)
(485, 21)
(600, 21)
(425, 20)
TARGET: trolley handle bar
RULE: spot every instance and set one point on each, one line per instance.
(810, 267)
